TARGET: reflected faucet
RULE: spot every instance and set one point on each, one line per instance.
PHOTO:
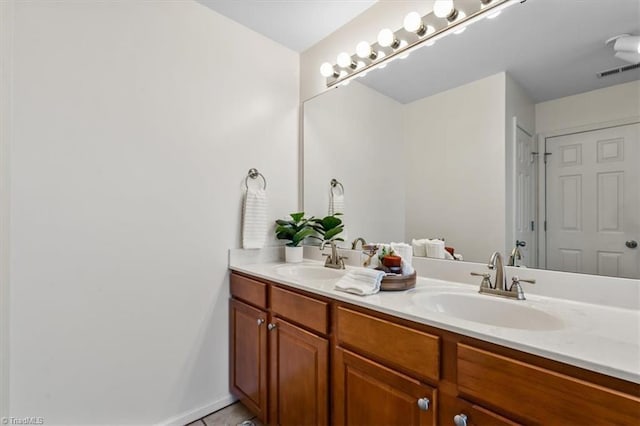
(354, 244)
(515, 253)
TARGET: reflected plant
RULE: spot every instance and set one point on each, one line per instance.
(294, 230)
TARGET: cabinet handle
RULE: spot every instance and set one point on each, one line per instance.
(260, 321)
(271, 326)
(460, 420)
(423, 404)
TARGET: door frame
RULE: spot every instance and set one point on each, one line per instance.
(542, 172)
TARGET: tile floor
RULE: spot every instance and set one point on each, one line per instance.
(233, 415)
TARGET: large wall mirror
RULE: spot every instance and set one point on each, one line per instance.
(503, 133)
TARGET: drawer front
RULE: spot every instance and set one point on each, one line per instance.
(403, 348)
(301, 309)
(540, 395)
(251, 291)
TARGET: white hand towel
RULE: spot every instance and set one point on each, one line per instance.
(336, 205)
(361, 281)
(405, 251)
(419, 247)
(435, 249)
(254, 218)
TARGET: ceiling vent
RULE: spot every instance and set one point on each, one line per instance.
(617, 70)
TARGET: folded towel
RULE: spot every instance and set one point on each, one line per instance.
(361, 281)
(254, 218)
(435, 249)
(419, 247)
(336, 205)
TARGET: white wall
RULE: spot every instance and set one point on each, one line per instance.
(354, 134)
(519, 106)
(134, 125)
(383, 14)
(456, 173)
(613, 103)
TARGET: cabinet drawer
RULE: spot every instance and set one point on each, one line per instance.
(301, 309)
(401, 347)
(249, 290)
(540, 395)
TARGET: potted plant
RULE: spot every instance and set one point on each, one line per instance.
(329, 227)
(295, 231)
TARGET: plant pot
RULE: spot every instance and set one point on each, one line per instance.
(293, 254)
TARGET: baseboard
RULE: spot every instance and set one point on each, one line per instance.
(191, 416)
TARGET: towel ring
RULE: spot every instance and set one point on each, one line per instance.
(253, 174)
(334, 184)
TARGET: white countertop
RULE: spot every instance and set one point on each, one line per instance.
(604, 339)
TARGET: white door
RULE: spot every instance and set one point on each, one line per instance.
(526, 195)
(593, 202)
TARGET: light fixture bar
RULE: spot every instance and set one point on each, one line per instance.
(466, 12)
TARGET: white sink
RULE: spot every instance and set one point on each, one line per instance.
(309, 272)
(488, 310)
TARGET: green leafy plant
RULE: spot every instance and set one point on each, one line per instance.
(329, 227)
(294, 230)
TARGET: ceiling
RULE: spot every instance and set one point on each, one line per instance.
(296, 24)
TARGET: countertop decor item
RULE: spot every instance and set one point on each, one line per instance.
(294, 231)
(329, 228)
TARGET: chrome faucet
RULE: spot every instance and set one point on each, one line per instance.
(499, 286)
(496, 263)
(515, 253)
(334, 260)
(354, 244)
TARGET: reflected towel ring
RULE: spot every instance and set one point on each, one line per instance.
(253, 174)
(335, 183)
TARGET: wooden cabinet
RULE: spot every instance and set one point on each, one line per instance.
(248, 356)
(368, 393)
(386, 370)
(279, 353)
(299, 376)
(540, 395)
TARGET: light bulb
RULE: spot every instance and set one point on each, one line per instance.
(443, 8)
(413, 23)
(344, 60)
(386, 38)
(363, 50)
(327, 70)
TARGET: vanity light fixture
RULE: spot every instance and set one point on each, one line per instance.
(448, 16)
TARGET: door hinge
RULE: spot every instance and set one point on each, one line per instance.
(533, 226)
(546, 154)
(545, 226)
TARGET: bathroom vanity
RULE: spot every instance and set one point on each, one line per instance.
(302, 353)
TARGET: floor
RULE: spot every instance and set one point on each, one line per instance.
(233, 415)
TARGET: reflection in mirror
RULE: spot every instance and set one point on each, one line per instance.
(487, 136)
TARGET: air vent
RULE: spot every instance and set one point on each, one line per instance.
(617, 70)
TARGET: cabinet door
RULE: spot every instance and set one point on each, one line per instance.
(298, 376)
(248, 356)
(367, 393)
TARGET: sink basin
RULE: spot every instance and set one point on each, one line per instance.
(309, 272)
(488, 310)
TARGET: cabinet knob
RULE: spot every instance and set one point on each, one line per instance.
(423, 404)
(271, 326)
(460, 420)
(260, 321)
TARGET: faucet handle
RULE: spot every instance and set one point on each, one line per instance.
(516, 279)
(486, 279)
